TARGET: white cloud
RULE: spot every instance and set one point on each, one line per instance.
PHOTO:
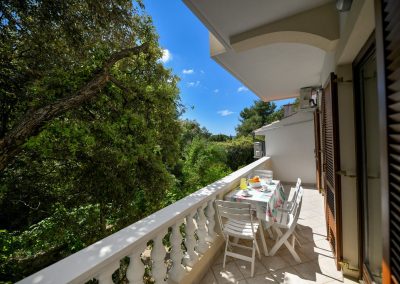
(242, 89)
(187, 71)
(166, 56)
(193, 84)
(216, 91)
(225, 112)
(202, 71)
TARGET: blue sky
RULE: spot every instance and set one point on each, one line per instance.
(211, 95)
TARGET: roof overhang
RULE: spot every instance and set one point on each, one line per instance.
(273, 47)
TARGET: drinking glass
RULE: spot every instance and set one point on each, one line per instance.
(243, 183)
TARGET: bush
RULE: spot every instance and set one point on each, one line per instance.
(239, 152)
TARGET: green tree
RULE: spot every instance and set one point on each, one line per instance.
(89, 120)
(205, 162)
(192, 129)
(220, 138)
(57, 55)
(259, 114)
(239, 152)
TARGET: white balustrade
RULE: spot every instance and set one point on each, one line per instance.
(135, 271)
(191, 256)
(202, 245)
(210, 213)
(101, 259)
(159, 268)
(105, 276)
(177, 271)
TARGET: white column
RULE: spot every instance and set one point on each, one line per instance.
(159, 269)
(105, 276)
(202, 245)
(136, 268)
(210, 212)
(191, 256)
(177, 271)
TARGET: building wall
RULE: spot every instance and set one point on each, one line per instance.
(291, 148)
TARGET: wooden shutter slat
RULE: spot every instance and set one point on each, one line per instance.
(331, 163)
(395, 86)
(395, 117)
(395, 157)
(394, 97)
(391, 6)
(388, 23)
(395, 76)
(395, 107)
(395, 137)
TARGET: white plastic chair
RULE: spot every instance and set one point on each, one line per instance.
(288, 204)
(236, 220)
(287, 219)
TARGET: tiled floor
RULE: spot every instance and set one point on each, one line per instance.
(317, 264)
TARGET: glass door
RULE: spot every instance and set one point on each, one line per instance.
(368, 166)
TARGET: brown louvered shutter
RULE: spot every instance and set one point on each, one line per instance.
(331, 166)
(388, 63)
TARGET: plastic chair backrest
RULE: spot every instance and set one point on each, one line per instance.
(264, 173)
(239, 211)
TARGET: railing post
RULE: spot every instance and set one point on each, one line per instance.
(210, 211)
(159, 269)
(191, 256)
(177, 271)
(136, 268)
(202, 245)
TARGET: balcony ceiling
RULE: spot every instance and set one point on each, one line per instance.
(273, 47)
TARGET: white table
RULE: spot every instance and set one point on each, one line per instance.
(264, 201)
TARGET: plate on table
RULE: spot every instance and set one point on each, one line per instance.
(255, 185)
(245, 193)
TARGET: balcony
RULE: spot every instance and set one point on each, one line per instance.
(317, 266)
(181, 244)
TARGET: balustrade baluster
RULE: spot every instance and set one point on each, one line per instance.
(105, 276)
(191, 256)
(177, 271)
(210, 211)
(159, 269)
(136, 268)
(202, 245)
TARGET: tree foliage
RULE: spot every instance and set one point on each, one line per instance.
(259, 114)
(97, 164)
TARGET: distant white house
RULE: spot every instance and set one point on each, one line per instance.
(290, 143)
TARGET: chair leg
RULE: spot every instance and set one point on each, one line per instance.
(263, 240)
(253, 258)
(284, 240)
(297, 238)
(292, 251)
(257, 248)
(226, 248)
(271, 234)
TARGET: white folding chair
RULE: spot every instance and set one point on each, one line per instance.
(291, 201)
(236, 220)
(287, 219)
(287, 205)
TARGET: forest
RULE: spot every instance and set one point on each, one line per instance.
(92, 137)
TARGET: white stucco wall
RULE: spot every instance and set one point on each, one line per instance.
(290, 144)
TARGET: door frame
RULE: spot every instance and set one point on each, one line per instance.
(368, 50)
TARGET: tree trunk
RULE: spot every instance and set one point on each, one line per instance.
(32, 122)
